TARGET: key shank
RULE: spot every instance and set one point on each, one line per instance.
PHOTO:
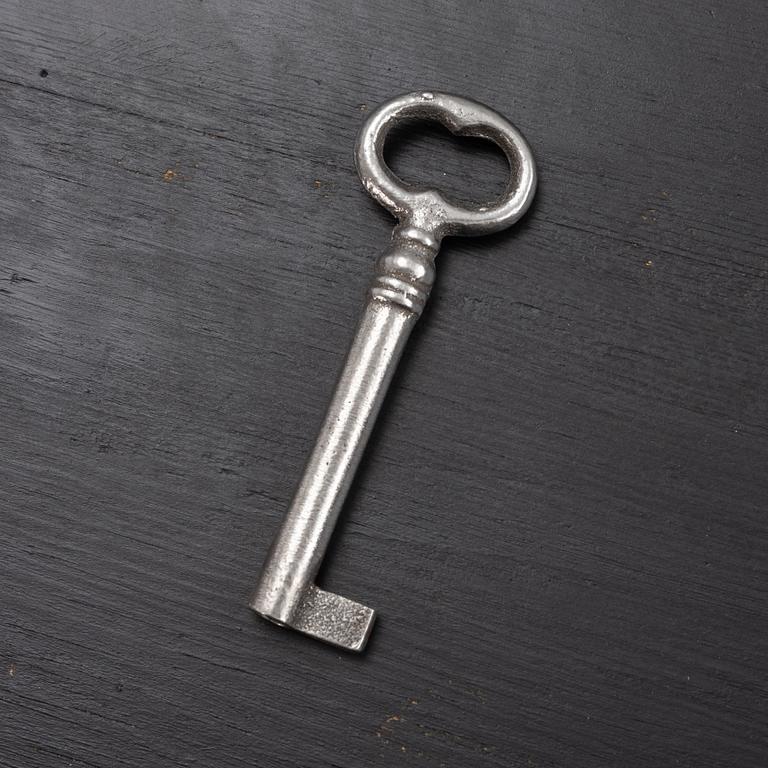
(286, 593)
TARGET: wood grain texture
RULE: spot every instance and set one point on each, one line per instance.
(562, 516)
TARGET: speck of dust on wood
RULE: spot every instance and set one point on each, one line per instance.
(174, 174)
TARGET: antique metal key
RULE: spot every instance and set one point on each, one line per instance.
(286, 593)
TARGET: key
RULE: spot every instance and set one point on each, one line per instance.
(286, 593)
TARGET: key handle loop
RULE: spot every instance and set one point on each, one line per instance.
(426, 210)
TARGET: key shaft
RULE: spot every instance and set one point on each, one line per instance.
(286, 593)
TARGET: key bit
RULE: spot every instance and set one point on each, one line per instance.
(286, 593)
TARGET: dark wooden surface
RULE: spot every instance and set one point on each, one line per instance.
(562, 516)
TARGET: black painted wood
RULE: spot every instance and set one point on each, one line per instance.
(562, 517)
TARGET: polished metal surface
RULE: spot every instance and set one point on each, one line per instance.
(286, 593)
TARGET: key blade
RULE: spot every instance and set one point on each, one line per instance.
(333, 619)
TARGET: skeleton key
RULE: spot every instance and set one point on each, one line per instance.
(286, 593)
